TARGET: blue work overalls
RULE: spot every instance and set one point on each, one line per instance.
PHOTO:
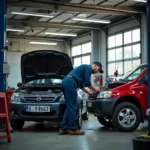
(77, 78)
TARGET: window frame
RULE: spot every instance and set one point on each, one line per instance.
(123, 46)
(81, 55)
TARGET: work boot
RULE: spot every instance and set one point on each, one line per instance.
(77, 132)
(62, 132)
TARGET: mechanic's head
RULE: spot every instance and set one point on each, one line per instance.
(97, 67)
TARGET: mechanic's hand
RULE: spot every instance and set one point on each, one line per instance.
(97, 89)
(90, 94)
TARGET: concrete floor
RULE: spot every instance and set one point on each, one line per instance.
(45, 137)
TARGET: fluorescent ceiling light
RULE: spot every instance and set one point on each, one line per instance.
(61, 34)
(15, 30)
(42, 43)
(144, 1)
(32, 14)
(91, 20)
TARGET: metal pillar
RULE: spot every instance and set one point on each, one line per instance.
(2, 49)
(148, 49)
(2, 43)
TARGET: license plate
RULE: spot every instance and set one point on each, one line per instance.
(38, 108)
(89, 104)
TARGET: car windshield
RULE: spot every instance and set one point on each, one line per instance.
(45, 82)
(133, 74)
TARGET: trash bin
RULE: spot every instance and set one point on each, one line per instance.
(141, 143)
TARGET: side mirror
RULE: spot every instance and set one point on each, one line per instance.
(19, 84)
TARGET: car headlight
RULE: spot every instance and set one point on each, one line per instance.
(15, 97)
(62, 98)
(105, 94)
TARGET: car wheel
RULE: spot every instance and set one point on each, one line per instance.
(17, 124)
(85, 116)
(79, 118)
(104, 121)
(126, 117)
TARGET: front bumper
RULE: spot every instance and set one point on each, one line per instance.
(18, 111)
(102, 107)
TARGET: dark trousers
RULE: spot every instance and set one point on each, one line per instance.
(70, 95)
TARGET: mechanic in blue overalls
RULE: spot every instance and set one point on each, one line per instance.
(80, 77)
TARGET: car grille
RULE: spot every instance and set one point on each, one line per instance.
(36, 99)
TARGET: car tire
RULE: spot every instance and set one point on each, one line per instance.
(79, 118)
(85, 116)
(17, 124)
(126, 117)
(104, 121)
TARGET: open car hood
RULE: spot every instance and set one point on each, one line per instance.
(44, 64)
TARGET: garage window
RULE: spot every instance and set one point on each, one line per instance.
(81, 54)
(124, 51)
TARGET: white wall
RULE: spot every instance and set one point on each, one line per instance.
(123, 26)
(23, 45)
(13, 56)
(103, 53)
(68, 48)
(82, 39)
(95, 38)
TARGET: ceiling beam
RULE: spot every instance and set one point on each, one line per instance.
(23, 23)
(69, 7)
(125, 9)
(35, 38)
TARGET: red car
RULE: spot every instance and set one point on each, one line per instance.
(123, 104)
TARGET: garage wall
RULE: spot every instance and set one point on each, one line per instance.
(144, 39)
(82, 39)
(68, 48)
(123, 26)
(132, 24)
(115, 29)
(24, 46)
(103, 54)
(95, 38)
(101, 39)
(13, 56)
